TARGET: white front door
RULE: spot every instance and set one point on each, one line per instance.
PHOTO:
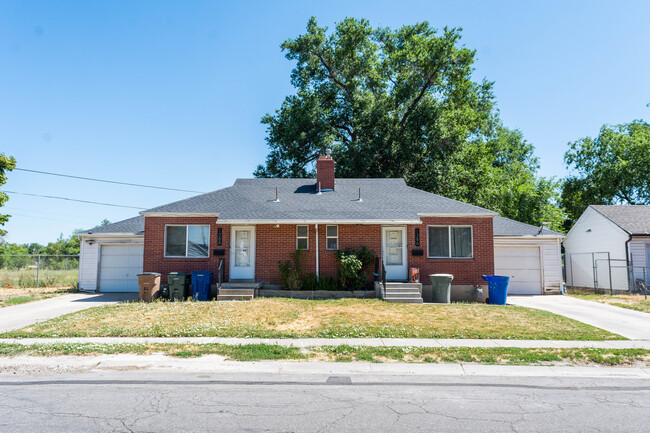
(394, 252)
(242, 253)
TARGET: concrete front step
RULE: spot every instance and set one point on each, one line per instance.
(403, 295)
(403, 285)
(236, 292)
(408, 290)
(404, 300)
(241, 285)
(234, 297)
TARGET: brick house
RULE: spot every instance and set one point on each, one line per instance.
(257, 222)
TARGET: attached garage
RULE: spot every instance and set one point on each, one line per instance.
(523, 265)
(111, 256)
(119, 266)
(529, 255)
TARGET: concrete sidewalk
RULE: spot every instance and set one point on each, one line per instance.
(368, 342)
(630, 324)
(22, 315)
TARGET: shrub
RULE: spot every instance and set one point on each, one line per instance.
(291, 277)
(312, 283)
(352, 263)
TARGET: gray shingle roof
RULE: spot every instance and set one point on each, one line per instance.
(382, 200)
(507, 227)
(132, 226)
(635, 220)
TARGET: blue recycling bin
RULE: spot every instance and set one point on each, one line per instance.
(201, 281)
(497, 288)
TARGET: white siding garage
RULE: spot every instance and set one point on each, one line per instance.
(119, 267)
(111, 256)
(523, 265)
(529, 255)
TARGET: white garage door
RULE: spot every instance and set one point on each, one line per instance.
(523, 266)
(119, 266)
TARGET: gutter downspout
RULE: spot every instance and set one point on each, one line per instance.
(630, 270)
(316, 252)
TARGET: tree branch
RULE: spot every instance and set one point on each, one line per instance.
(332, 74)
(415, 102)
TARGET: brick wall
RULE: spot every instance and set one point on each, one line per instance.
(277, 243)
(465, 271)
(154, 247)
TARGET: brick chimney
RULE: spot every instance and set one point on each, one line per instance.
(325, 171)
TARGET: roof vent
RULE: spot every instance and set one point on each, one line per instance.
(359, 199)
(277, 196)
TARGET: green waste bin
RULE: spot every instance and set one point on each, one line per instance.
(178, 282)
(441, 288)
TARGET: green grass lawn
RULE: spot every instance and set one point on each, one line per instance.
(633, 302)
(294, 318)
(262, 352)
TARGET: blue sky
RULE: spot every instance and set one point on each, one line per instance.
(170, 93)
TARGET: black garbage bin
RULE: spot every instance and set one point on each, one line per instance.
(178, 283)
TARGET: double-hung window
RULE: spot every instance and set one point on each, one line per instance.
(302, 237)
(332, 237)
(450, 241)
(187, 241)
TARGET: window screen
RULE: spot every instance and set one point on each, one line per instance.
(332, 237)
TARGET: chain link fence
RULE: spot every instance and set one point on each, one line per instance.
(39, 270)
(599, 272)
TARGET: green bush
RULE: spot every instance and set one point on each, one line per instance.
(312, 283)
(352, 265)
(291, 276)
(351, 274)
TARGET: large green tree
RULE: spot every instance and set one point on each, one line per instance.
(7, 163)
(402, 103)
(613, 168)
(500, 173)
(389, 103)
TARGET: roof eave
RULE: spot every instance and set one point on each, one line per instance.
(111, 235)
(465, 215)
(530, 236)
(318, 221)
(178, 214)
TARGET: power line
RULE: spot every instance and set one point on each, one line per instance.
(106, 181)
(43, 218)
(74, 199)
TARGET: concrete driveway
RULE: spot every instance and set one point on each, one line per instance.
(22, 315)
(630, 324)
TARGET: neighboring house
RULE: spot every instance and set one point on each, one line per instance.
(530, 255)
(257, 222)
(607, 247)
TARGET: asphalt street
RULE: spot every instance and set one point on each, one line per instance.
(144, 401)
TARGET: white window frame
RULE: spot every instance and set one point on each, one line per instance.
(449, 227)
(298, 237)
(187, 239)
(332, 237)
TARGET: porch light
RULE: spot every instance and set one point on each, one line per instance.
(90, 241)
